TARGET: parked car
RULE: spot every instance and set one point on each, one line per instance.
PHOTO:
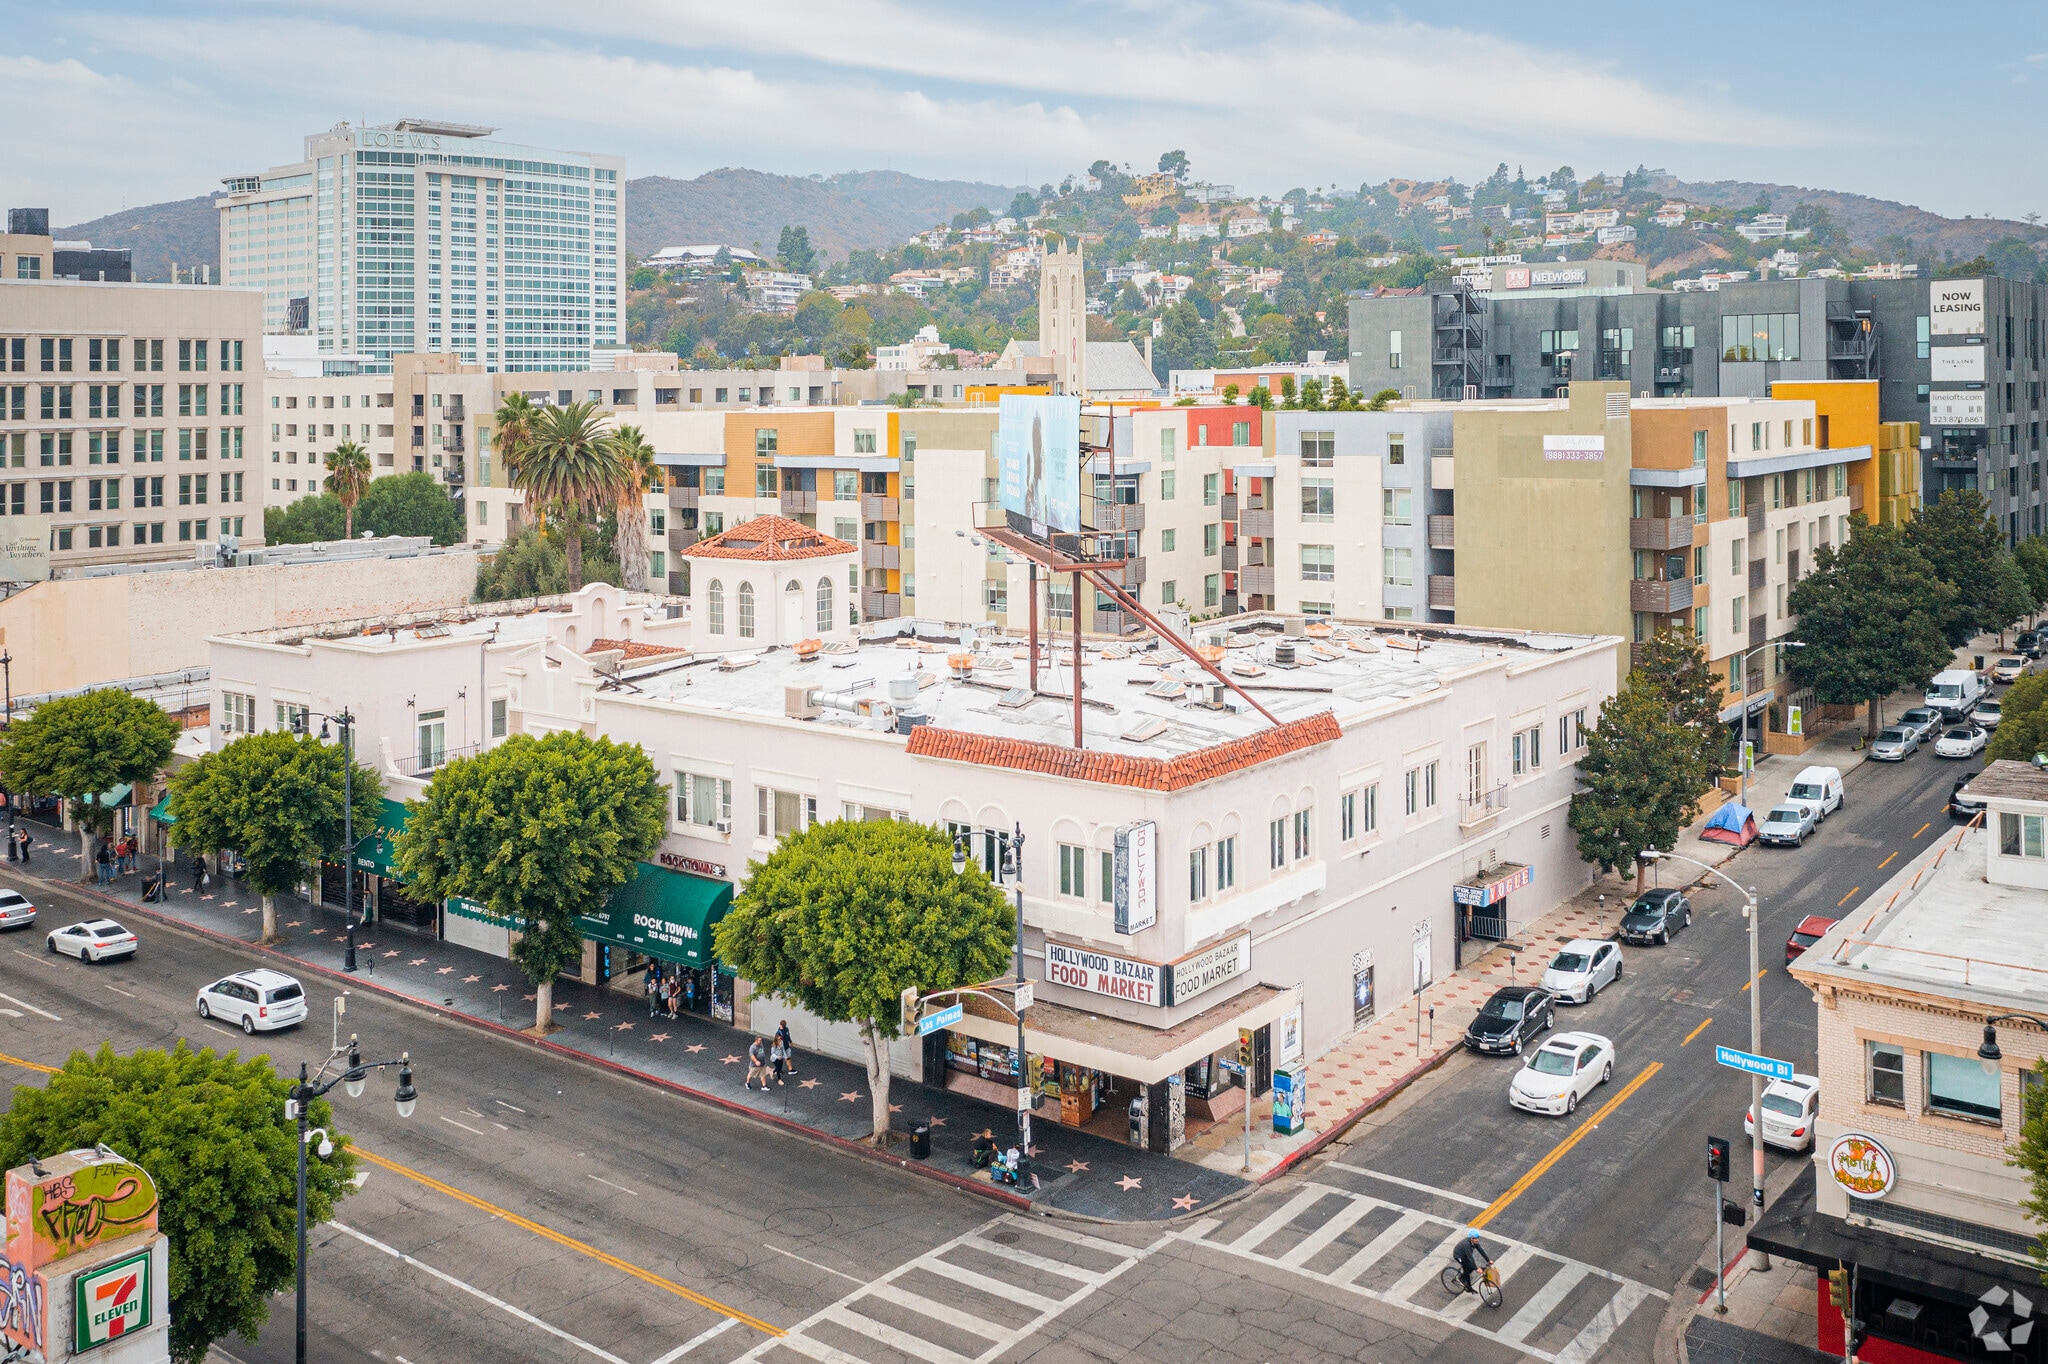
(1961, 803)
(1921, 720)
(1506, 1022)
(1959, 741)
(2008, 669)
(1581, 969)
(259, 1000)
(2029, 643)
(1561, 1072)
(93, 940)
(1790, 1107)
(1787, 825)
(1811, 930)
(1954, 691)
(15, 910)
(1987, 715)
(1655, 916)
(1894, 744)
(1819, 789)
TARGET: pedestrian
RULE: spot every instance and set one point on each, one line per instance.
(689, 985)
(675, 994)
(198, 872)
(128, 855)
(778, 1053)
(788, 1047)
(757, 1062)
(102, 862)
(652, 986)
(21, 837)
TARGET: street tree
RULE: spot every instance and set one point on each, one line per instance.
(1870, 615)
(2013, 593)
(81, 747)
(275, 798)
(569, 471)
(637, 474)
(2031, 1154)
(2032, 558)
(2022, 721)
(537, 831)
(842, 918)
(1958, 538)
(348, 478)
(1675, 663)
(210, 1131)
(1639, 779)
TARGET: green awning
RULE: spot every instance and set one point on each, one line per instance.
(161, 811)
(662, 913)
(373, 850)
(117, 797)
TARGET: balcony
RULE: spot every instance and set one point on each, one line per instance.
(1660, 532)
(1443, 532)
(1758, 630)
(455, 411)
(1256, 521)
(1113, 518)
(1791, 565)
(1229, 508)
(875, 507)
(1443, 592)
(1855, 497)
(1132, 574)
(880, 605)
(1756, 517)
(453, 474)
(452, 441)
(876, 555)
(1757, 570)
(680, 540)
(681, 498)
(1479, 811)
(1660, 596)
(1256, 582)
(1230, 557)
(799, 502)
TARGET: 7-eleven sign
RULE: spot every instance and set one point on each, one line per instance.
(111, 1301)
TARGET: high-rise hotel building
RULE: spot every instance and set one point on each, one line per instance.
(432, 237)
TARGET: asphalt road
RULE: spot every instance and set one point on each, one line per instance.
(534, 1209)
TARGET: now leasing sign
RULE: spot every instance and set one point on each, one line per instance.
(111, 1302)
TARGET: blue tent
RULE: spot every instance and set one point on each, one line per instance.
(1733, 823)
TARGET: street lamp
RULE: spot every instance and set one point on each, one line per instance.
(1756, 1034)
(1741, 765)
(1010, 867)
(299, 1106)
(1989, 1053)
(347, 720)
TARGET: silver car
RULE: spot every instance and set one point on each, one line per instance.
(1922, 720)
(1895, 744)
(1787, 824)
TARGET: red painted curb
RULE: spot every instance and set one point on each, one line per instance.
(1293, 1158)
(854, 1148)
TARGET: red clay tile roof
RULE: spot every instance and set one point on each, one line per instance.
(1116, 769)
(632, 648)
(769, 538)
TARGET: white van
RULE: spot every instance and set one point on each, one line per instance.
(1953, 692)
(1819, 789)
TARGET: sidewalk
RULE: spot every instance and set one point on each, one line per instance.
(827, 1099)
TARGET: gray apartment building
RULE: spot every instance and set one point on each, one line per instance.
(1960, 357)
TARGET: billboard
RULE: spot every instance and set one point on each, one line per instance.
(1038, 443)
(25, 548)
(1956, 364)
(1955, 307)
(1956, 407)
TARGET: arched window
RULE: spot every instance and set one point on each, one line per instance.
(715, 607)
(746, 610)
(824, 605)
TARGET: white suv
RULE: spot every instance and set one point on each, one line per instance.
(259, 1000)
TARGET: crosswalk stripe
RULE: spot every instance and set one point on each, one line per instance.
(1329, 1231)
(1426, 1269)
(870, 1329)
(1594, 1333)
(1529, 1316)
(1281, 1216)
(1377, 1248)
(1510, 1260)
(1075, 1238)
(1037, 1262)
(947, 1270)
(937, 1311)
(804, 1345)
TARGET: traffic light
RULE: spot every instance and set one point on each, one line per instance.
(1717, 1159)
(1838, 1289)
(909, 1009)
(1244, 1048)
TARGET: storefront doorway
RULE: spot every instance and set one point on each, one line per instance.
(662, 921)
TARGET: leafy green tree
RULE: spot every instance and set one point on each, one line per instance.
(412, 504)
(1023, 206)
(844, 917)
(529, 564)
(537, 831)
(1639, 778)
(1958, 538)
(348, 478)
(2023, 721)
(2032, 558)
(637, 474)
(276, 799)
(1174, 163)
(305, 521)
(1378, 402)
(1261, 397)
(569, 472)
(1870, 617)
(211, 1132)
(1675, 663)
(2031, 1154)
(795, 252)
(80, 747)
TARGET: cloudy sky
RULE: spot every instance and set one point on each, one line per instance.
(125, 102)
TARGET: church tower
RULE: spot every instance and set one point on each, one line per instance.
(1063, 318)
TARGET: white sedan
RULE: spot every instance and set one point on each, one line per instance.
(15, 910)
(1790, 1108)
(1960, 741)
(1561, 1072)
(2009, 669)
(93, 940)
(1581, 967)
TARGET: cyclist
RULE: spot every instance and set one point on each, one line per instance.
(1471, 1258)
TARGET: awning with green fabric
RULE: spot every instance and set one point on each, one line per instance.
(161, 811)
(662, 913)
(117, 797)
(373, 850)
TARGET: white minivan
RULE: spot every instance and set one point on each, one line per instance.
(1953, 692)
(1819, 789)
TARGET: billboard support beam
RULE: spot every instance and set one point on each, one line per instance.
(1129, 602)
(1075, 600)
(1033, 569)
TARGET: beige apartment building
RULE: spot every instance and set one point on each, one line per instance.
(129, 416)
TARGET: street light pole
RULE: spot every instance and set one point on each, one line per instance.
(1014, 864)
(347, 721)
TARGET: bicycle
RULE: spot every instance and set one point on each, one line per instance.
(1489, 1284)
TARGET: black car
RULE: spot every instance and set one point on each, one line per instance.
(1507, 1021)
(1655, 916)
(1961, 806)
(2030, 643)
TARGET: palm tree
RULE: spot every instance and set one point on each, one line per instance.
(514, 419)
(348, 478)
(566, 465)
(637, 475)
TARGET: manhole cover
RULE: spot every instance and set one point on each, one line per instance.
(1701, 1278)
(1007, 1238)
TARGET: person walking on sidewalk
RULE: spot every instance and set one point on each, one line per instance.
(653, 989)
(198, 872)
(675, 995)
(757, 1062)
(102, 863)
(778, 1055)
(21, 841)
(788, 1047)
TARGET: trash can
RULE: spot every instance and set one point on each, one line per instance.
(921, 1141)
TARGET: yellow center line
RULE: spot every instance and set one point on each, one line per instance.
(27, 1065)
(1759, 976)
(1697, 1031)
(1888, 861)
(1852, 890)
(1558, 1152)
(1923, 828)
(571, 1243)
